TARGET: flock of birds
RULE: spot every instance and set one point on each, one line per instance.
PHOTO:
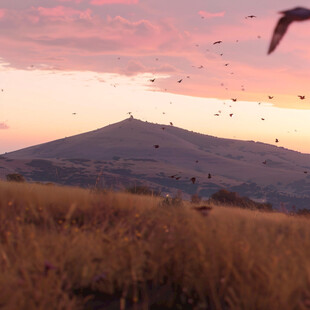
(296, 14)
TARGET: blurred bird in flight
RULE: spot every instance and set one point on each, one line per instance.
(296, 14)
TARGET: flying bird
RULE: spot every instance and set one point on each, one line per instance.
(277, 140)
(216, 114)
(209, 175)
(302, 97)
(234, 99)
(193, 180)
(152, 80)
(264, 162)
(297, 14)
(156, 146)
(179, 81)
(74, 113)
(217, 42)
(250, 16)
(178, 178)
(262, 119)
(270, 97)
(171, 123)
(231, 114)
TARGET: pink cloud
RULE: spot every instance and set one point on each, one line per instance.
(74, 1)
(206, 14)
(2, 13)
(63, 12)
(4, 126)
(103, 2)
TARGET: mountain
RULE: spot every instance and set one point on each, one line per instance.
(124, 154)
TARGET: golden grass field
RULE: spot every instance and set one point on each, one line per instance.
(69, 248)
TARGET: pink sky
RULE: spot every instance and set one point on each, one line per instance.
(166, 40)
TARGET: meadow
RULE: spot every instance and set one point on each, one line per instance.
(70, 248)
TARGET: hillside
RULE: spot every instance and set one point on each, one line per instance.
(123, 154)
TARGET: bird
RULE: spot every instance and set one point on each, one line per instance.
(216, 114)
(209, 175)
(297, 14)
(305, 172)
(173, 176)
(197, 161)
(178, 178)
(74, 113)
(301, 97)
(152, 80)
(277, 140)
(234, 99)
(156, 146)
(264, 162)
(200, 67)
(179, 81)
(270, 97)
(262, 119)
(171, 123)
(193, 179)
(250, 16)
(217, 42)
(226, 65)
(231, 114)
(163, 128)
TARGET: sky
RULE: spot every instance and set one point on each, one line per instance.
(71, 66)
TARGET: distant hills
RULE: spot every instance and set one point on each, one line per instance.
(124, 154)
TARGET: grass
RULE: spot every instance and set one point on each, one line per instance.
(69, 248)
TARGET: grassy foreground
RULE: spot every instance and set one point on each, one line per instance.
(67, 248)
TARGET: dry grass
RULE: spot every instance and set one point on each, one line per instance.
(67, 248)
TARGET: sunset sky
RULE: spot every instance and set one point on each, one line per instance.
(95, 58)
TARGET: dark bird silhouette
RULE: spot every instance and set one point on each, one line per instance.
(270, 97)
(231, 114)
(226, 65)
(264, 162)
(178, 178)
(163, 128)
(277, 140)
(200, 67)
(297, 14)
(217, 42)
(152, 80)
(250, 16)
(302, 97)
(73, 113)
(179, 81)
(216, 114)
(173, 176)
(234, 99)
(171, 123)
(197, 161)
(262, 119)
(156, 146)
(305, 172)
(203, 210)
(209, 176)
(193, 180)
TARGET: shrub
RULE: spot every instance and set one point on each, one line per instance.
(232, 198)
(15, 177)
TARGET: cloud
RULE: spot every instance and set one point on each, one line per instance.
(136, 67)
(206, 14)
(104, 2)
(4, 126)
(63, 12)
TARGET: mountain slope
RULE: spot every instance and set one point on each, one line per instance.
(127, 150)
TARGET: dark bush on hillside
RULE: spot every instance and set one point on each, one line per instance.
(303, 212)
(15, 177)
(142, 190)
(226, 197)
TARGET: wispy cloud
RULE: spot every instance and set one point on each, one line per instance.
(206, 14)
(4, 126)
(103, 2)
